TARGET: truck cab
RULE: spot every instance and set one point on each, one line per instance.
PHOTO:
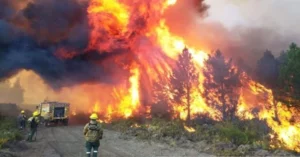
(54, 112)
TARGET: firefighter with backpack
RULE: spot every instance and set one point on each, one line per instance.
(33, 124)
(93, 132)
(22, 120)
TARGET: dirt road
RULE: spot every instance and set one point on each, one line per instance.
(68, 142)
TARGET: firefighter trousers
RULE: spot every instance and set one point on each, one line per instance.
(32, 132)
(92, 148)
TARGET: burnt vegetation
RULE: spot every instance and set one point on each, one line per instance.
(222, 81)
(281, 75)
(222, 86)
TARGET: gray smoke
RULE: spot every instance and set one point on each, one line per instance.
(31, 36)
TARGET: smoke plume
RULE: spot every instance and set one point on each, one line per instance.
(247, 42)
(51, 37)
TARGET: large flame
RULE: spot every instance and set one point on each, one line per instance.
(112, 20)
(285, 126)
(140, 26)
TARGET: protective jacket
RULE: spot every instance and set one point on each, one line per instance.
(33, 122)
(93, 131)
(21, 117)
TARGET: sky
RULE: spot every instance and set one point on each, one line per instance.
(282, 15)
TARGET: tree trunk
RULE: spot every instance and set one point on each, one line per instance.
(223, 103)
(188, 105)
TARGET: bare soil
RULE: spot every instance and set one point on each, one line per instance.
(68, 141)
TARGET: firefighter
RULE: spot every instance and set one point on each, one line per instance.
(22, 120)
(93, 133)
(33, 124)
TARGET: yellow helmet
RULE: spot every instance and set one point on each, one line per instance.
(94, 116)
(35, 113)
(22, 111)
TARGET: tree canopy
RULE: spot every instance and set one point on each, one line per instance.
(267, 70)
(221, 85)
(290, 76)
(184, 77)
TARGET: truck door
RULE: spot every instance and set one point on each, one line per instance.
(45, 111)
(59, 111)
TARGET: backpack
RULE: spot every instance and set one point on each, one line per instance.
(94, 127)
(95, 130)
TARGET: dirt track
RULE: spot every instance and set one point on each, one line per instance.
(68, 142)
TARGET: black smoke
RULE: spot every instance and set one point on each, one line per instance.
(31, 33)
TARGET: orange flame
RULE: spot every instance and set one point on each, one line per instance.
(171, 2)
(112, 21)
(74, 113)
(189, 129)
(96, 108)
(115, 17)
(257, 96)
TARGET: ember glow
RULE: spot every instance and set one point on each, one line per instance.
(146, 48)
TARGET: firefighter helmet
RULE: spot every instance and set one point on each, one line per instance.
(94, 116)
(35, 113)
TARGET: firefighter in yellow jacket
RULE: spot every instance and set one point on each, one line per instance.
(33, 124)
(93, 133)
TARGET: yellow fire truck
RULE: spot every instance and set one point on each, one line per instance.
(54, 112)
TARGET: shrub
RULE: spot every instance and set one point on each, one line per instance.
(3, 141)
(253, 132)
(232, 133)
(256, 130)
(172, 129)
(243, 132)
(9, 131)
(142, 133)
(122, 124)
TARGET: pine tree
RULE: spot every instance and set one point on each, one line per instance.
(289, 76)
(267, 73)
(184, 78)
(161, 106)
(221, 85)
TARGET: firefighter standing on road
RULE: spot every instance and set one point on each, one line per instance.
(33, 124)
(93, 133)
(22, 120)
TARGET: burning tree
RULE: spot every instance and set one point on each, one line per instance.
(221, 85)
(267, 73)
(184, 78)
(267, 70)
(290, 76)
(161, 94)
